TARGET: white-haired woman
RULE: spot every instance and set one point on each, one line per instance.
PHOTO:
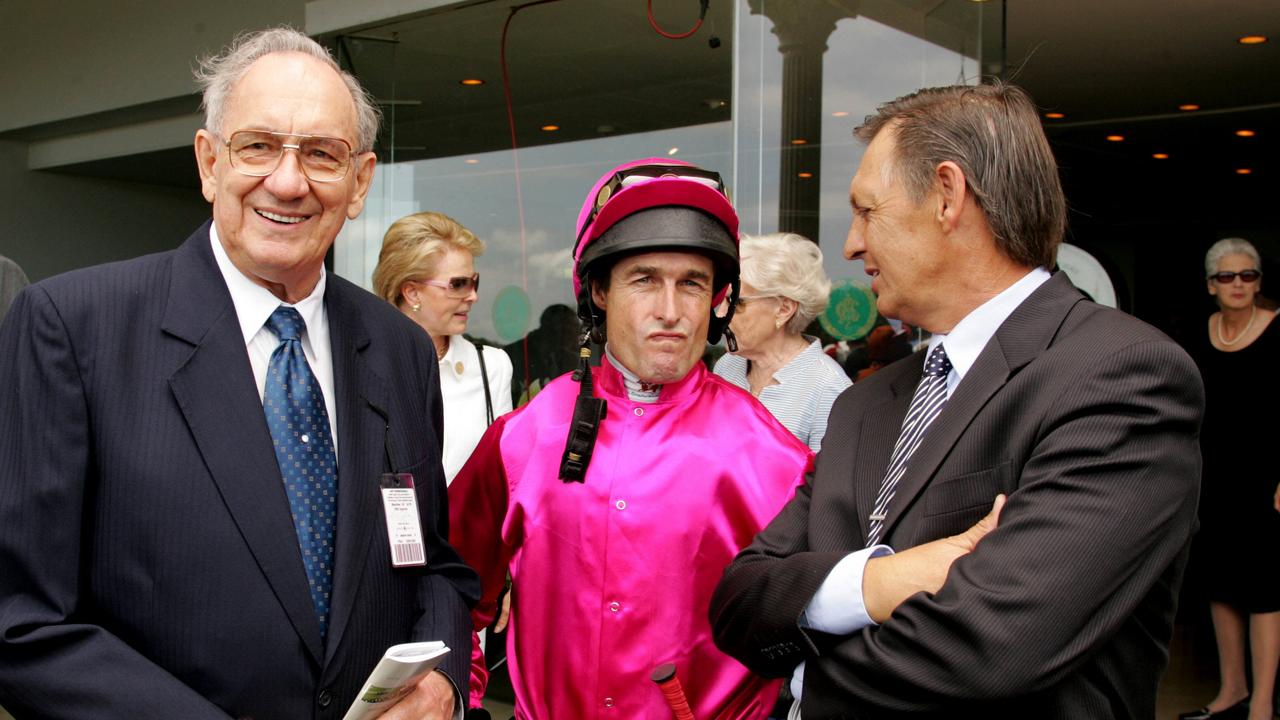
(427, 269)
(783, 289)
(1240, 500)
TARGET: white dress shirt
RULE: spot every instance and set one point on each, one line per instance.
(838, 606)
(254, 304)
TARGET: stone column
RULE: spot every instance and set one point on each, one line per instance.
(802, 27)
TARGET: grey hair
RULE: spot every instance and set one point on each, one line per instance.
(787, 265)
(993, 133)
(1229, 246)
(218, 74)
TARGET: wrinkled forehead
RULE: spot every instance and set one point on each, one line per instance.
(674, 263)
(292, 93)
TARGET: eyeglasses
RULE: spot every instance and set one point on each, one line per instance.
(257, 153)
(1227, 277)
(743, 299)
(456, 287)
(641, 173)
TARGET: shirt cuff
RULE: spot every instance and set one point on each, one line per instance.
(837, 607)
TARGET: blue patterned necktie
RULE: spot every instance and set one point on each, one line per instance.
(931, 395)
(299, 427)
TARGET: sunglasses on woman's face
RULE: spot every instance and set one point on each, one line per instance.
(456, 287)
(1227, 277)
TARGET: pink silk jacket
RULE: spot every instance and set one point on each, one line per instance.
(613, 576)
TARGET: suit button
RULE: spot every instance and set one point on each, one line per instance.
(324, 699)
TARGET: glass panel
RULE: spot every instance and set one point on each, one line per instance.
(770, 103)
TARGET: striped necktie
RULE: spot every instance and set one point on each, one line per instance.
(299, 426)
(931, 395)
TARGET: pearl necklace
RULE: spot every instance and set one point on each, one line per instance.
(1253, 311)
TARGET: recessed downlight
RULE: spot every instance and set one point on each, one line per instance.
(1252, 39)
(1054, 115)
(1115, 138)
(1188, 107)
(805, 175)
(471, 82)
(1244, 171)
(1160, 156)
(840, 113)
(1246, 133)
(549, 128)
(799, 141)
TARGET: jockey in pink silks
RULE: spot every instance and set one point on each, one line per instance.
(618, 495)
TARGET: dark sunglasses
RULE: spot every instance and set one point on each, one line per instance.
(1226, 277)
(457, 287)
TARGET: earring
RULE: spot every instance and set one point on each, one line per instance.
(415, 307)
(777, 324)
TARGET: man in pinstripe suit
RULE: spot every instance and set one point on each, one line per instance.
(1084, 417)
(151, 564)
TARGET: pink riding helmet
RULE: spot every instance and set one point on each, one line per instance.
(642, 206)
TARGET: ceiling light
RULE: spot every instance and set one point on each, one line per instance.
(1246, 133)
(1054, 115)
(1188, 107)
(1244, 171)
(1160, 156)
(673, 151)
(1115, 138)
(471, 81)
(799, 141)
(471, 161)
(804, 174)
(840, 113)
(550, 128)
(1252, 39)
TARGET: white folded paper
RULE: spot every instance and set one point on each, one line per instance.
(400, 668)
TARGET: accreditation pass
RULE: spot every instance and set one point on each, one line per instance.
(404, 525)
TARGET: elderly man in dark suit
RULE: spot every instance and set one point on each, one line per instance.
(193, 444)
(1086, 419)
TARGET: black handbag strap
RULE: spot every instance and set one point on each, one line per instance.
(484, 379)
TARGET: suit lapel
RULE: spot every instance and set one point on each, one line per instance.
(1025, 334)
(363, 400)
(219, 400)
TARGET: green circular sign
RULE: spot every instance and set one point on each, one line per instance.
(851, 312)
(511, 313)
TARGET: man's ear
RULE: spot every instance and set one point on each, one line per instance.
(952, 189)
(598, 296)
(207, 149)
(363, 169)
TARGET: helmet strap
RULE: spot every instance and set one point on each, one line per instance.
(730, 340)
(720, 325)
(588, 413)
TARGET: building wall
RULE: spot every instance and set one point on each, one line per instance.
(65, 64)
(51, 222)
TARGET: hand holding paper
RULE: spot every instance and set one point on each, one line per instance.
(404, 686)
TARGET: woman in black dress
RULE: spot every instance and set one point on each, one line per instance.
(1240, 500)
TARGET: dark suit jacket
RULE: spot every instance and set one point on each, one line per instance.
(1088, 419)
(150, 567)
